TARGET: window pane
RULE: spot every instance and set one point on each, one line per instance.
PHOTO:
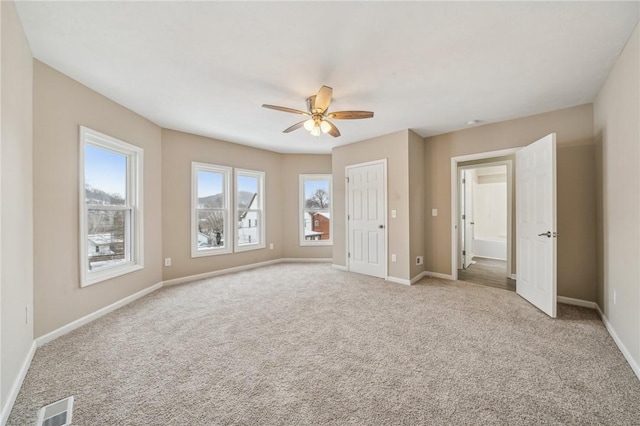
(317, 225)
(316, 194)
(107, 231)
(210, 193)
(105, 177)
(249, 227)
(248, 197)
(210, 229)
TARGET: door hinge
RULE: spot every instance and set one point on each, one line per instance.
(347, 179)
(464, 180)
(348, 217)
(349, 254)
(464, 252)
(464, 217)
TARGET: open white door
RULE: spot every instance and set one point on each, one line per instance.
(536, 248)
(468, 217)
(366, 219)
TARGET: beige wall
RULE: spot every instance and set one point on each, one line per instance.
(417, 175)
(16, 277)
(617, 130)
(576, 181)
(574, 128)
(61, 105)
(178, 151)
(395, 148)
(293, 165)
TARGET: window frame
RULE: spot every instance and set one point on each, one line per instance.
(228, 230)
(260, 175)
(302, 210)
(134, 226)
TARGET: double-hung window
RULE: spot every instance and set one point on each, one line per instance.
(110, 207)
(249, 211)
(210, 230)
(315, 210)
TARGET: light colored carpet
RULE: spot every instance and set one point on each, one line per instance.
(306, 344)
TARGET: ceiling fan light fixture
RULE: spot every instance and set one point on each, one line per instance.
(324, 126)
(315, 131)
(309, 124)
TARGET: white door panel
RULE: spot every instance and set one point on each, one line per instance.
(536, 218)
(366, 219)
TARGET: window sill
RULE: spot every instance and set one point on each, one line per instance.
(96, 277)
(210, 252)
(249, 247)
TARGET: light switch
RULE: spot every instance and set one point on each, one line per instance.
(434, 212)
(393, 213)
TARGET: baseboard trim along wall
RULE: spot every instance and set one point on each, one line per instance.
(625, 352)
(577, 302)
(398, 280)
(339, 267)
(306, 260)
(438, 275)
(95, 315)
(15, 389)
(211, 274)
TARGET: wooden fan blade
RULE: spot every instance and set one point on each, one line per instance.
(323, 98)
(294, 127)
(333, 131)
(311, 103)
(350, 115)
(285, 109)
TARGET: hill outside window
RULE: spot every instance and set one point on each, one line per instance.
(111, 239)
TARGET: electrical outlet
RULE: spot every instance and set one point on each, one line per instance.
(434, 212)
(419, 260)
(393, 257)
(167, 261)
(394, 214)
(270, 246)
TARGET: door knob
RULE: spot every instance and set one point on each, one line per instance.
(380, 226)
(547, 234)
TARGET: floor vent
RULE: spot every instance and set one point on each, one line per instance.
(57, 414)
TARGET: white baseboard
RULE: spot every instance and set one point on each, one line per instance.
(339, 267)
(17, 384)
(418, 277)
(211, 274)
(491, 258)
(94, 315)
(513, 277)
(306, 259)
(577, 302)
(438, 275)
(398, 280)
(625, 352)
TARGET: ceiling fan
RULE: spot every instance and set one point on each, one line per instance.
(319, 115)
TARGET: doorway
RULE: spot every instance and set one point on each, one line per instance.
(485, 218)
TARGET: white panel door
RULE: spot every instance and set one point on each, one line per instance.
(367, 245)
(536, 248)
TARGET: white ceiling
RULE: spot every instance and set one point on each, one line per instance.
(207, 67)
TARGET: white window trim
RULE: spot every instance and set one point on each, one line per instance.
(134, 197)
(261, 185)
(228, 229)
(302, 209)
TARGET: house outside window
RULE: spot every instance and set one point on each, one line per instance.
(315, 210)
(111, 239)
(249, 210)
(211, 233)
